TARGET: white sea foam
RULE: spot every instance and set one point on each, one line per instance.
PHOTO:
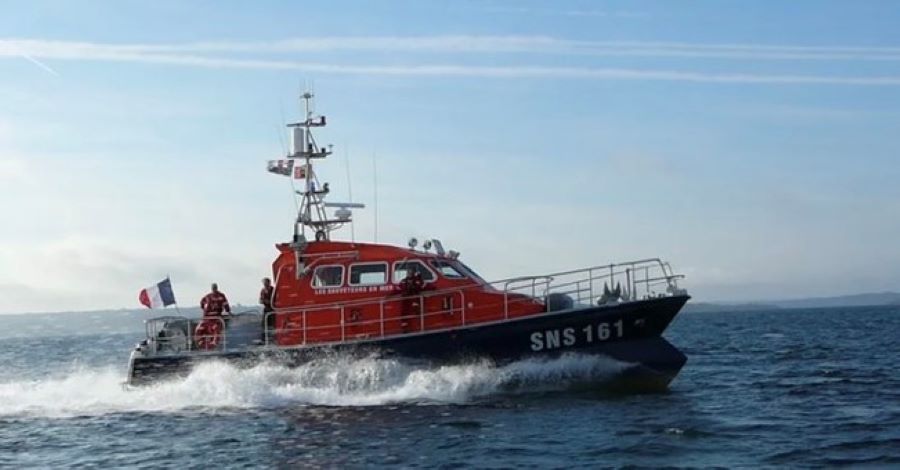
(336, 381)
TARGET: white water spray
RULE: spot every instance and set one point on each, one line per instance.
(336, 381)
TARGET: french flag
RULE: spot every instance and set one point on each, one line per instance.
(157, 296)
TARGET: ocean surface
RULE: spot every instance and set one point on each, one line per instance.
(781, 388)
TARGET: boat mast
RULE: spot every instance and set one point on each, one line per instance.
(312, 211)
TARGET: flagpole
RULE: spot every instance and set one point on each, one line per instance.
(176, 299)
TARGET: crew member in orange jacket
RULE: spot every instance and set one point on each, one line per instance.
(410, 287)
(214, 303)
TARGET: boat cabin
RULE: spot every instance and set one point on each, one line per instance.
(337, 291)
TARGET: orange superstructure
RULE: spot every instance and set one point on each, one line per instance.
(348, 290)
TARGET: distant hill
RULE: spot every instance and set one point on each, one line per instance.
(854, 300)
(719, 307)
(91, 322)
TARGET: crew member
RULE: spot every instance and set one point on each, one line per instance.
(209, 329)
(410, 287)
(413, 283)
(266, 297)
(214, 303)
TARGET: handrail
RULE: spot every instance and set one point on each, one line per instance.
(187, 339)
(331, 254)
(375, 298)
(342, 323)
(599, 266)
(592, 277)
(376, 321)
(474, 285)
(641, 279)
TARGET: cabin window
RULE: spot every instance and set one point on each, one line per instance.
(447, 270)
(402, 269)
(328, 276)
(368, 274)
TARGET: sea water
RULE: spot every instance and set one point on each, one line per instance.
(768, 388)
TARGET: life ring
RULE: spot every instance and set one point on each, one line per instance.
(321, 236)
(208, 333)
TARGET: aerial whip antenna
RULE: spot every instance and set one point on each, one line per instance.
(349, 187)
(375, 190)
(284, 147)
(286, 151)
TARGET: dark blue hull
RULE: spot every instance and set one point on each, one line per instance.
(629, 332)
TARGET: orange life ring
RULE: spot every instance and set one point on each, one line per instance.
(208, 333)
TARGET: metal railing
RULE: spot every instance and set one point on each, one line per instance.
(633, 280)
(169, 333)
(174, 334)
(623, 282)
(447, 308)
(523, 283)
(344, 313)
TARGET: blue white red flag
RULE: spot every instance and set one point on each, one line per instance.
(158, 295)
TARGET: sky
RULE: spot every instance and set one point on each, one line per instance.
(754, 145)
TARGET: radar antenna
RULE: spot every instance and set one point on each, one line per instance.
(304, 149)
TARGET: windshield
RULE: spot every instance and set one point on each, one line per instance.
(448, 270)
(469, 272)
(455, 269)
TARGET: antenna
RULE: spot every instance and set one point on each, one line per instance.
(284, 148)
(286, 151)
(375, 190)
(349, 187)
(311, 212)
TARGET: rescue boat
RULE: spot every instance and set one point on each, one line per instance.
(419, 301)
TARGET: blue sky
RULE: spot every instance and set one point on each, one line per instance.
(752, 144)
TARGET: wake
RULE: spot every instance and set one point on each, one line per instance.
(335, 381)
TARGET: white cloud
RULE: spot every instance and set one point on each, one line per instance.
(40, 64)
(153, 54)
(14, 172)
(452, 44)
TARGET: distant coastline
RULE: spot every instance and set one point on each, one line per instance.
(872, 299)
